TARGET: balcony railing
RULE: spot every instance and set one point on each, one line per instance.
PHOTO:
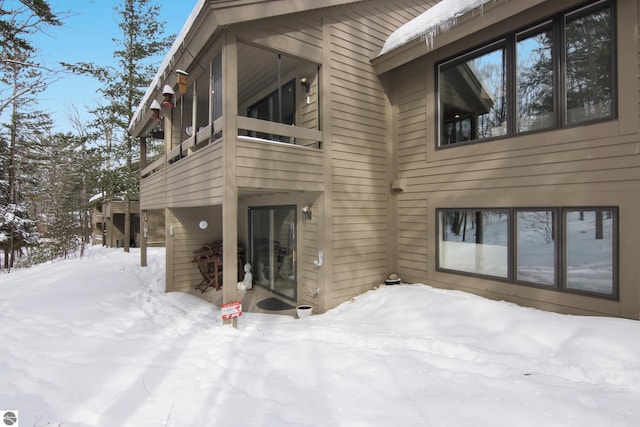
(247, 126)
(280, 132)
(194, 142)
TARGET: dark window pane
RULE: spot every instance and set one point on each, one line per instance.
(458, 129)
(474, 241)
(534, 75)
(472, 98)
(216, 108)
(589, 77)
(536, 247)
(271, 109)
(590, 243)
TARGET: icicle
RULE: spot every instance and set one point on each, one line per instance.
(439, 18)
(429, 38)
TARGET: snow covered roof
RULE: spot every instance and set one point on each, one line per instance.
(101, 197)
(427, 25)
(97, 197)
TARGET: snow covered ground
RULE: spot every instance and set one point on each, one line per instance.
(96, 342)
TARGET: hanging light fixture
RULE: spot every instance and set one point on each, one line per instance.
(168, 93)
(155, 110)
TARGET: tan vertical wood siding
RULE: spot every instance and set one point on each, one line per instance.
(152, 191)
(308, 273)
(196, 180)
(262, 164)
(361, 171)
(155, 222)
(412, 206)
(289, 35)
(188, 237)
(359, 166)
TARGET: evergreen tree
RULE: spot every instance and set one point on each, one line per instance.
(16, 23)
(140, 44)
(61, 201)
(15, 48)
(21, 79)
(17, 231)
(21, 129)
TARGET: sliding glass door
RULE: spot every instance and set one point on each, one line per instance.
(273, 248)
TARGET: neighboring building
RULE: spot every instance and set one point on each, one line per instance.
(107, 223)
(491, 148)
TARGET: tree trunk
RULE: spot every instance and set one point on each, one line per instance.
(479, 227)
(599, 225)
(127, 223)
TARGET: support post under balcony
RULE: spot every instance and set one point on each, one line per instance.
(143, 214)
(230, 191)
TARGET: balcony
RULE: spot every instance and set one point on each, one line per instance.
(276, 135)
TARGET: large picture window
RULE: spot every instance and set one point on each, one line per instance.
(559, 72)
(566, 249)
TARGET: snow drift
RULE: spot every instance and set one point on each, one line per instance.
(96, 342)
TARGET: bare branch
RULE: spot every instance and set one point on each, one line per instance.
(25, 64)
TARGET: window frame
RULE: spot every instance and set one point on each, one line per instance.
(560, 248)
(558, 52)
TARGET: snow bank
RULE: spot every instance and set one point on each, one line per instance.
(96, 342)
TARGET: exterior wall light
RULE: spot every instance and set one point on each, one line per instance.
(306, 212)
(203, 225)
(304, 82)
